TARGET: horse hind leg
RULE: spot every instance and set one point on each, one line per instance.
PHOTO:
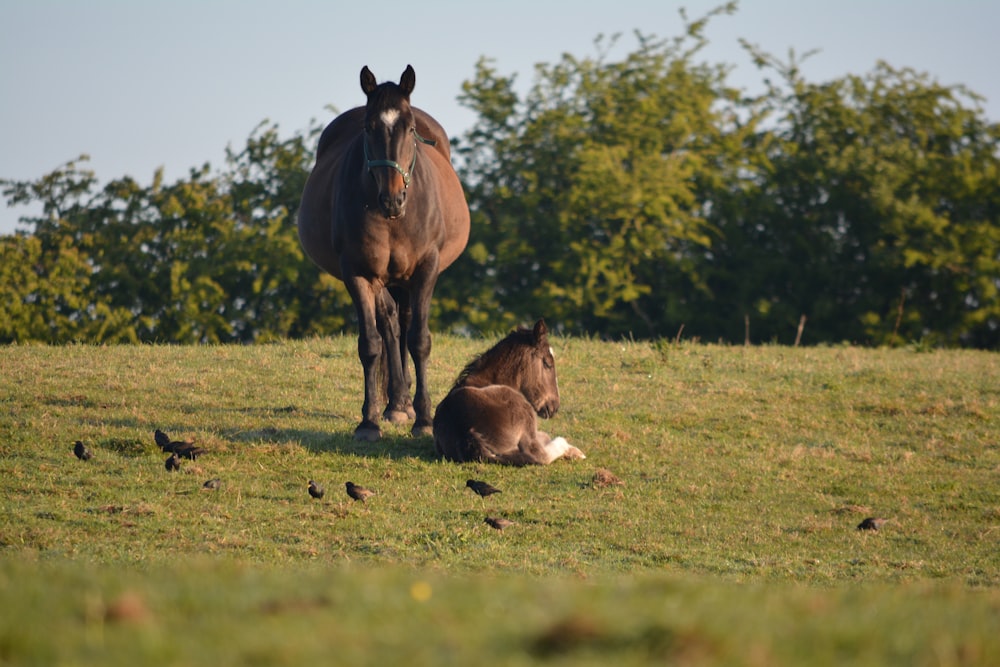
(402, 299)
(418, 338)
(398, 409)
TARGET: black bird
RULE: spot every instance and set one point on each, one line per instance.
(498, 522)
(81, 451)
(315, 490)
(184, 448)
(162, 439)
(187, 450)
(358, 492)
(212, 484)
(173, 463)
(482, 488)
(872, 523)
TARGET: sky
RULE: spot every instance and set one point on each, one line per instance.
(140, 85)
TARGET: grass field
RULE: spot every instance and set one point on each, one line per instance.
(731, 541)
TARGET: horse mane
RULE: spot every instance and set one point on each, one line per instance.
(504, 356)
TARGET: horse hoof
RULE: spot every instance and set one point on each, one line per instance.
(367, 434)
(397, 416)
(422, 430)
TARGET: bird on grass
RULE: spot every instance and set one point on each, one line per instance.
(212, 484)
(498, 522)
(173, 463)
(482, 488)
(81, 451)
(162, 439)
(358, 492)
(315, 490)
(183, 448)
(872, 523)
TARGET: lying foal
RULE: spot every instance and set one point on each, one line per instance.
(490, 413)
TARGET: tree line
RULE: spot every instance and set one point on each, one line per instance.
(636, 196)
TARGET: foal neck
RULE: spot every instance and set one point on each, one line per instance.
(504, 364)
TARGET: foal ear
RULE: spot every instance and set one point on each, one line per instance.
(408, 80)
(540, 332)
(368, 82)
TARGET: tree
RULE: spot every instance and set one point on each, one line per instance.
(209, 258)
(586, 194)
(875, 213)
(628, 196)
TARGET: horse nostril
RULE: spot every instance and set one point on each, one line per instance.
(392, 203)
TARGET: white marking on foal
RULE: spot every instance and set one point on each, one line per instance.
(389, 117)
(558, 447)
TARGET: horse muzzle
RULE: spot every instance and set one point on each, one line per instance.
(548, 408)
(392, 205)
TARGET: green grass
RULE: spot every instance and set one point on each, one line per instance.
(731, 541)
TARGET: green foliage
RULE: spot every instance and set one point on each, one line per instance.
(634, 195)
(586, 196)
(210, 258)
(874, 213)
(641, 195)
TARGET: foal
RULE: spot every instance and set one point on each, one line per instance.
(490, 413)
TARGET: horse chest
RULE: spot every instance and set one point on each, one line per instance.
(385, 255)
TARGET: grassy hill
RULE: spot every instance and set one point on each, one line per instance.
(732, 539)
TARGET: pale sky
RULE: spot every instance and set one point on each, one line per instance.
(139, 85)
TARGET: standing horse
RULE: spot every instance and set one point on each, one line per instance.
(490, 413)
(384, 211)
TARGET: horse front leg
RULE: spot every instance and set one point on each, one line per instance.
(418, 338)
(370, 353)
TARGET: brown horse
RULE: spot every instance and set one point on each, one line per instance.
(384, 211)
(490, 413)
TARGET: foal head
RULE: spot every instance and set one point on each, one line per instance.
(390, 139)
(523, 360)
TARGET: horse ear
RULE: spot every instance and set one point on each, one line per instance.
(408, 80)
(540, 332)
(368, 82)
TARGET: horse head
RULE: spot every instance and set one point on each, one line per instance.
(390, 139)
(538, 381)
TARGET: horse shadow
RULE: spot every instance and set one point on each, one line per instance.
(392, 445)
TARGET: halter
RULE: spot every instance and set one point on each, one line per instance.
(405, 173)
